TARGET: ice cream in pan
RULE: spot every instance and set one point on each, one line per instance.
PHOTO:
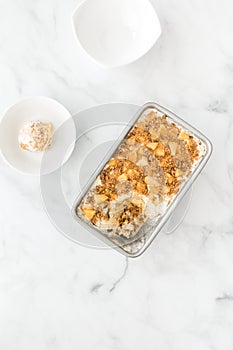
(142, 178)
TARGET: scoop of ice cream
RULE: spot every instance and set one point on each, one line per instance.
(36, 136)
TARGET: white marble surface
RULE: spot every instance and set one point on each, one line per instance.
(179, 295)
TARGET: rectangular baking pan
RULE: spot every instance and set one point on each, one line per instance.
(138, 246)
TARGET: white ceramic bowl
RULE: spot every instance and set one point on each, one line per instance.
(116, 32)
(24, 111)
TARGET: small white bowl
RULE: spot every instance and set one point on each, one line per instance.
(36, 108)
(116, 32)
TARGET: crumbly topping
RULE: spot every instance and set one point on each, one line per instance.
(118, 171)
(36, 136)
(163, 155)
(147, 169)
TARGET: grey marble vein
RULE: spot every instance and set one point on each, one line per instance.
(122, 276)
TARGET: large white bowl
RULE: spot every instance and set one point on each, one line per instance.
(116, 32)
(36, 108)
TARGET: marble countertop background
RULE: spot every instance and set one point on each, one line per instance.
(179, 294)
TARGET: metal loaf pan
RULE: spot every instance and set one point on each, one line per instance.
(135, 247)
